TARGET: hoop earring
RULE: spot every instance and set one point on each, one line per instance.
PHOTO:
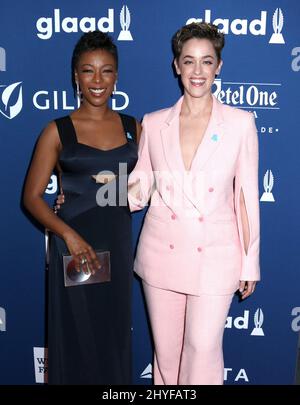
(78, 95)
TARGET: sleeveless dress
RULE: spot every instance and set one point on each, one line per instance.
(89, 326)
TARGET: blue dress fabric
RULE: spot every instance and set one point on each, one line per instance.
(89, 326)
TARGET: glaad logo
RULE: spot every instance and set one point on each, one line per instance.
(46, 26)
(296, 321)
(40, 355)
(2, 320)
(242, 322)
(247, 95)
(296, 60)
(240, 26)
(2, 60)
(147, 373)
(277, 23)
(125, 34)
(11, 111)
(258, 321)
(268, 186)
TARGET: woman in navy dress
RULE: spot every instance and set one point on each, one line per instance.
(89, 326)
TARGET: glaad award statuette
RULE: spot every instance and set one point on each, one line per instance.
(125, 34)
(268, 186)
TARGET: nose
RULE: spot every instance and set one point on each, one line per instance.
(197, 67)
(97, 76)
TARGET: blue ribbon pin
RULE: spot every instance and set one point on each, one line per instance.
(215, 138)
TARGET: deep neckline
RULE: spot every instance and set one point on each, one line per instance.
(102, 150)
(93, 147)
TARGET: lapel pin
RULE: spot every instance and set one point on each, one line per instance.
(215, 138)
(129, 136)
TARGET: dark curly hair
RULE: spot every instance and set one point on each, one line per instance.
(92, 41)
(201, 30)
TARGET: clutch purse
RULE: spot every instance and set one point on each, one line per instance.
(72, 277)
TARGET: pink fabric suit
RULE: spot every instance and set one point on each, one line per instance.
(191, 253)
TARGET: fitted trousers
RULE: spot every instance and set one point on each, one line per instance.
(188, 334)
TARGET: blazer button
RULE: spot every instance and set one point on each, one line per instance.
(173, 216)
(201, 219)
(211, 189)
(171, 246)
(199, 249)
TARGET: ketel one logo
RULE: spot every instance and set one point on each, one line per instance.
(247, 95)
(11, 100)
(268, 187)
(147, 373)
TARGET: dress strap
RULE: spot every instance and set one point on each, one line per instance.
(66, 131)
(129, 126)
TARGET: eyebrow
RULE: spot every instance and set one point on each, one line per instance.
(89, 64)
(203, 57)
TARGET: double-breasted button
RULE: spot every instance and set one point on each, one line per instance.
(171, 246)
(199, 249)
(173, 216)
(201, 219)
(211, 189)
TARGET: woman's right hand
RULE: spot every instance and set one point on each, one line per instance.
(83, 254)
(59, 201)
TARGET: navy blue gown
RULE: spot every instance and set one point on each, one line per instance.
(89, 326)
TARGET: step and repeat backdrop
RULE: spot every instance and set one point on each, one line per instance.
(261, 74)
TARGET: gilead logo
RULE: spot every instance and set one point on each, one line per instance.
(11, 100)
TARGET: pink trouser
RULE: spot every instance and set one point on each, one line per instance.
(188, 334)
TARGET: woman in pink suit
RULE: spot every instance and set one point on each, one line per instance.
(198, 162)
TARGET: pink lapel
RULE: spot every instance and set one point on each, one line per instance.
(169, 136)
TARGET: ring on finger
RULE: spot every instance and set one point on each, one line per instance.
(83, 260)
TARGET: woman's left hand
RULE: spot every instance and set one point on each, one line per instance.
(246, 288)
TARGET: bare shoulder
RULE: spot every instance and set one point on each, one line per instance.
(49, 136)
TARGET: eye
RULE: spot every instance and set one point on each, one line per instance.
(87, 71)
(207, 62)
(187, 62)
(107, 71)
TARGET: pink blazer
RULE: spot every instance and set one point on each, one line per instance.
(192, 240)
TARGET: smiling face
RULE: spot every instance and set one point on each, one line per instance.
(197, 65)
(96, 74)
